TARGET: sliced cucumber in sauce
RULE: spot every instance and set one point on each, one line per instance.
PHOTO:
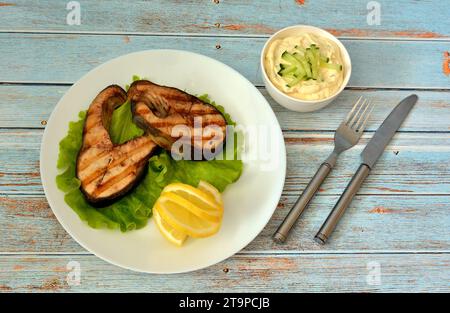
(287, 70)
(304, 64)
(336, 67)
(288, 57)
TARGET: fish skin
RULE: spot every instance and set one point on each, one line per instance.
(107, 171)
(158, 109)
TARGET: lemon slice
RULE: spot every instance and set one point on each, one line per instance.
(211, 190)
(200, 203)
(174, 236)
(183, 210)
(182, 219)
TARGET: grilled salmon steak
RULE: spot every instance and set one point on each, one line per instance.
(161, 110)
(108, 171)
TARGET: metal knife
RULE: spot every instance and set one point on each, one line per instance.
(370, 155)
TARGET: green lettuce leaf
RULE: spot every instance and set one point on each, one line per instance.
(122, 127)
(133, 211)
(68, 151)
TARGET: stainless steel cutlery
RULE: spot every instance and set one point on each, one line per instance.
(346, 136)
(369, 156)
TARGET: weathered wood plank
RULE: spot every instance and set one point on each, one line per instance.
(32, 227)
(242, 273)
(346, 18)
(65, 58)
(35, 104)
(414, 163)
(432, 112)
(372, 223)
(21, 149)
(409, 165)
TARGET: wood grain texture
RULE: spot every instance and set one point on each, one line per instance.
(64, 58)
(399, 218)
(431, 113)
(244, 273)
(372, 223)
(413, 163)
(399, 19)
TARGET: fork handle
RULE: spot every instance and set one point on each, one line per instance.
(302, 202)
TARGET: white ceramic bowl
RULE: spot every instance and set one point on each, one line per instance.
(292, 103)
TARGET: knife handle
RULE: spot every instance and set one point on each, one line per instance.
(342, 204)
(302, 202)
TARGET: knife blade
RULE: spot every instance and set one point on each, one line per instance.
(374, 149)
(370, 155)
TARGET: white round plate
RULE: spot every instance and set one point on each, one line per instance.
(249, 203)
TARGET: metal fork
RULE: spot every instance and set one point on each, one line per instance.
(345, 137)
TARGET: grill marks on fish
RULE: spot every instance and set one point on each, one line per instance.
(160, 110)
(108, 171)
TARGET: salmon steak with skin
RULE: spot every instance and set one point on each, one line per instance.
(107, 171)
(160, 110)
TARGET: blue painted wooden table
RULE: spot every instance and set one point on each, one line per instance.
(395, 235)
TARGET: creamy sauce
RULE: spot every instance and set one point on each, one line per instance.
(330, 81)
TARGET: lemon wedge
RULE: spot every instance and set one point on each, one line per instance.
(182, 210)
(206, 205)
(211, 190)
(184, 220)
(174, 236)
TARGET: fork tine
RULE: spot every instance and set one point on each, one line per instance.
(357, 114)
(361, 115)
(362, 125)
(350, 114)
